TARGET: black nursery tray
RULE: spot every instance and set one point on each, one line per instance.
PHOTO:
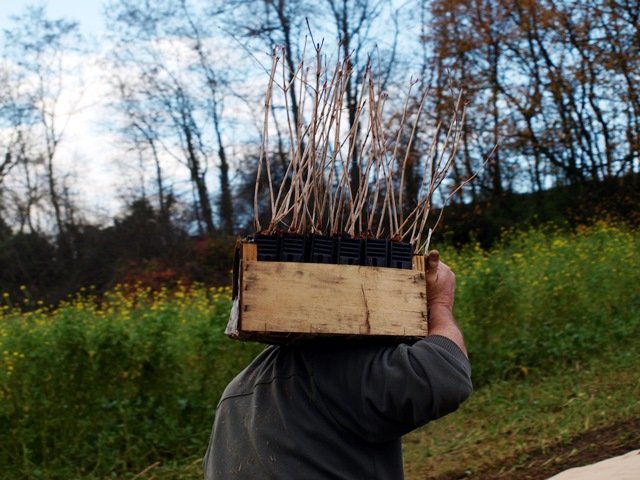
(337, 250)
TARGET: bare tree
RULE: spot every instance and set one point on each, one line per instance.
(214, 82)
(141, 129)
(354, 21)
(11, 123)
(467, 54)
(553, 83)
(271, 23)
(177, 91)
(38, 51)
(577, 85)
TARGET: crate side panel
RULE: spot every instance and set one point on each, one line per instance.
(332, 299)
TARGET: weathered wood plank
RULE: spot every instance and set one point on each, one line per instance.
(311, 298)
(249, 252)
(418, 263)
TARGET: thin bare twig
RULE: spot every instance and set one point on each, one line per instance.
(317, 194)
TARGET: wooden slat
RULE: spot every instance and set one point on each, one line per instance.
(249, 252)
(418, 263)
(332, 299)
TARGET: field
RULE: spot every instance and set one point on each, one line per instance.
(125, 385)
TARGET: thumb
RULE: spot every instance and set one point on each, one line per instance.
(433, 260)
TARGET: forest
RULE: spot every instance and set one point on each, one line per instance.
(550, 92)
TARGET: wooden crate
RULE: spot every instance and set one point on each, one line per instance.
(279, 302)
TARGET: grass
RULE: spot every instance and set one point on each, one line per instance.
(507, 419)
(125, 386)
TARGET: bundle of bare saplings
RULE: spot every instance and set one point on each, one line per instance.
(341, 253)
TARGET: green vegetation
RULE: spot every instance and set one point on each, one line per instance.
(94, 389)
(109, 387)
(544, 299)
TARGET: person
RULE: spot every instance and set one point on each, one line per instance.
(334, 409)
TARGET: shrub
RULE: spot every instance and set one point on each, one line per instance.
(91, 389)
(544, 298)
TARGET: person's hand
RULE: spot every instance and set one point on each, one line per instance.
(441, 287)
(441, 282)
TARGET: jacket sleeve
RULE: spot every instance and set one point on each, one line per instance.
(380, 393)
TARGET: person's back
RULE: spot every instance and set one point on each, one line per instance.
(334, 409)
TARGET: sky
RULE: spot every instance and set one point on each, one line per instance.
(88, 13)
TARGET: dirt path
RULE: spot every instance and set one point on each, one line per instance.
(587, 448)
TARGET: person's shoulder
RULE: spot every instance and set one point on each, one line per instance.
(275, 361)
(337, 356)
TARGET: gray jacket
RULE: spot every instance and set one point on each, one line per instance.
(333, 409)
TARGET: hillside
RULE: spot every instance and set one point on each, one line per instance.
(127, 382)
